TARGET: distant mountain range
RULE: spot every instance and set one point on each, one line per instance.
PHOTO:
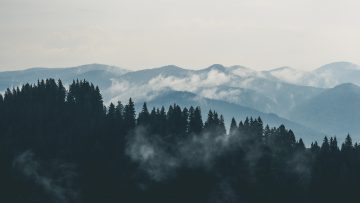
(314, 104)
(326, 76)
(229, 110)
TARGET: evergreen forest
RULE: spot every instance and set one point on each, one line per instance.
(62, 144)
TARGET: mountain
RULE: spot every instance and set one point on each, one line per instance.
(143, 76)
(234, 84)
(335, 111)
(99, 74)
(337, 73)
(229, 110)
(291, 94)
(327, 76)
(96, 73)
(292, 76)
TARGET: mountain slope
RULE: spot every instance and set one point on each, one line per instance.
(143, 76)
(335, 111)
(337, 73)
(97, 73)
(327, 76)
(229, 110)
(234, 84)
(271, 91)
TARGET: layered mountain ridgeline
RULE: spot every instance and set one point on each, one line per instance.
(280, 96)
(230, 110)
(64, 145)
(332, 111)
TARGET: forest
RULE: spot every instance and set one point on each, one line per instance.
(62, 144)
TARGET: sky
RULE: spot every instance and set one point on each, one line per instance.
(137, 34)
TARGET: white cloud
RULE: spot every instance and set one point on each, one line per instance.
(204, 84)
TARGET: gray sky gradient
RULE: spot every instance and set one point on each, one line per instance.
(135, 34)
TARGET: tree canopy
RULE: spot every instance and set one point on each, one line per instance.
(64, 145)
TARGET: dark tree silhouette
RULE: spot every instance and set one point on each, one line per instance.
(64, 145)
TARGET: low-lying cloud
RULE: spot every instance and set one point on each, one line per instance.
(56, 178)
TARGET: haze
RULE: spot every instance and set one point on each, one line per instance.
(136, 34)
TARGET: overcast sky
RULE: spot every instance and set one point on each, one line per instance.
(135, 34)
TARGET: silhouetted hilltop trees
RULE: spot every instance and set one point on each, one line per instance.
(64, 145)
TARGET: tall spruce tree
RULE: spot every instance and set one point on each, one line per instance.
(129, 116)
(195, 120)
(233, 127)
(325, 147)
(347, 146)
(144, 116)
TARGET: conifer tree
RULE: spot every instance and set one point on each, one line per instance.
(347, 146)
(221, 126)
(300, 146)
(325, 147)
(144, 116)
(119, 111)
(111, 112)
(315, 148)
(195, 120)
(209, 123)
(233, 127)
(129, 116)
(241, 128)
(267, 133)
(334, 145)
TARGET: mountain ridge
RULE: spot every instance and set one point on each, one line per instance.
(234, 86)
(230, 110)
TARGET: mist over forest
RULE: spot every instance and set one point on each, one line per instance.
(179, 101)
(62, 144)
(313, 104)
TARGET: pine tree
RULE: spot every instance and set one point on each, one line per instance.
(315, 147)
(119, 111)
(233, 127)
(347, 146)
(246, 126)
(221, 126)
(267, 133)
(291, 138)
(184, 123)
(216, 121)
(209, 123)
(162, 120)
(129, 116)
(334, 145)
(325, 147)
(144, 116)
(241, 128)
(191, 118)
(258, 129)
(111, 112)
(300, 146)
(195, 121)
(61, 93)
